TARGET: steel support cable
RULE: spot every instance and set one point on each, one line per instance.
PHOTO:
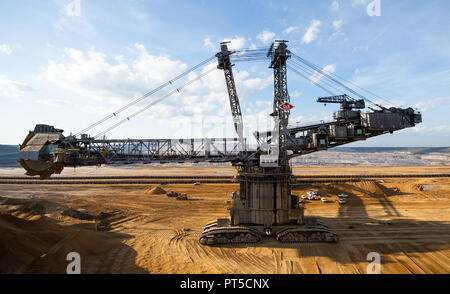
(326, 75)
(307, 78)
(312, 72)
(145, 95)
(321, 78)
(317, 69)
(252, 50)
(247, 54)
(319, 81)
(256, 54)
(260, 54)
(313, 66)
(366, 90)
(361, 88)
(248, 58)
(330, 78)
(153, 103)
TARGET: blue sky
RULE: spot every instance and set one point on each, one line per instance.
(69, 70)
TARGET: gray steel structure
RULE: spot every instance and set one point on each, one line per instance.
(279, 56)
(263, 205)
(224, 63)
(47, 148)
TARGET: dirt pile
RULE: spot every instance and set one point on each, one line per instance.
(182, 196)
(155, 191)
(176, 195)
(160, 235)
(37, 245)
(29, 206)
(24, 240)
(91, 246)
(172, 194)
(78, 214)
(369, 188)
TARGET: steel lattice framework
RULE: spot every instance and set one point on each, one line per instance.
(280, 56)
(94, 151)
(224, 63)
(46, 151)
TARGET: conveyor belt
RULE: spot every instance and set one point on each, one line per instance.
(143, 180)
(147, 182)
(227, 177)
(373, 176)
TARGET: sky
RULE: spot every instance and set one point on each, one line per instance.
(69, 63)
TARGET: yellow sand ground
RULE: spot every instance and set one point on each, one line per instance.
(408, 226)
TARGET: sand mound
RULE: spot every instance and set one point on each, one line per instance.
(155, 191)
(37, 245)
(380, 189)
(411, 187)
(364, 187)
(23, 240)
(373, 187)
(91, 246)
(29, 206)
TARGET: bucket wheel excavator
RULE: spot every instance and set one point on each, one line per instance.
(264, 205)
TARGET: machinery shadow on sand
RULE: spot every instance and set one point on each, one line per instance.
(374, 190)
(100, 252)
(360, 234)
(40, 245)
(403, 236)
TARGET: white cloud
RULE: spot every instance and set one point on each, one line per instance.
(105, 86)
(432, 104)
(265, 36)
(303, 120)
(312, 31)
(13, 89)
(335, 5)
(316, 77)
(237, 43)
(5, 49)
(135, 13)
(359, 2)
(337, 24)
(391, 102)
(442, 130)
(360, 49)
(72, 19)
(263, 104)
(290, 30)
(256, 84)
(113, 82)
(53, 102)
(89, 74)
(207, 43)
(295, 94)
